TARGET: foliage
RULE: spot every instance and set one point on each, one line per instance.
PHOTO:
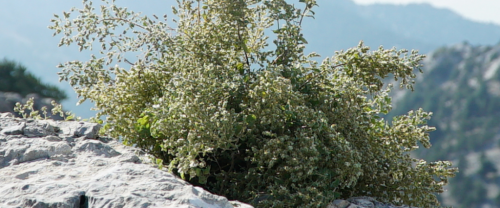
(15, 78)
(27, 111)
(266, 125)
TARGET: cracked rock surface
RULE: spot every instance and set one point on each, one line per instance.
(45, 163)
(362, 202)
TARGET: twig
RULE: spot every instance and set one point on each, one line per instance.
(125, 20)
(244, 46)
(307, 81)
(128, 62)
(303, 14)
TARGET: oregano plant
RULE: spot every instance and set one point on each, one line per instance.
(223, 106)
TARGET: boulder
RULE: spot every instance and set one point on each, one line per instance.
(45, 163)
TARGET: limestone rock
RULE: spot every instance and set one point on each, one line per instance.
(14, 130)
(46, 163)
(78, 129)
(362, 202)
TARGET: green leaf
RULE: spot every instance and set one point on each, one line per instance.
(206, 170)
(238, 128)
(198, 171)
(144, 121)
(70, 117)
(240, 68)
(202, 179)
(246, 78)
(303, 40)
(250, 119)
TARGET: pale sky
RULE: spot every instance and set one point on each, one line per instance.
(479, 10)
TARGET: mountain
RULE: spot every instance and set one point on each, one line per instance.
(338, 24)
(431, 25)
(341, 24)
(461, 86)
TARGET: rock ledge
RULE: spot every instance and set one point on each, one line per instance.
(45, 163)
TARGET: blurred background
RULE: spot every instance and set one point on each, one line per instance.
(460, 84)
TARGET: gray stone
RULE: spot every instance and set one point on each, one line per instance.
(14, 130)
(25, 175)
(53, 138)
(339, 203)
(78, 129)
(38, 129)
(132, 159)
(74, 171)
(6, 115)
(361, 202)
(96, 147)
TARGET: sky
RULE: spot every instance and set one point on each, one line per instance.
(478, 10)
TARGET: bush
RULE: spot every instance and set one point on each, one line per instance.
(266, 125)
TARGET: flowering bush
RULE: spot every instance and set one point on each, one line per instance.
(266, 125)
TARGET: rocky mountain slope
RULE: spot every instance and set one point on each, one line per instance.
(461, 85)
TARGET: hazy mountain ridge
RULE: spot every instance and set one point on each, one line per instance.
(461, 86)
(341, 24)
(431, 25)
